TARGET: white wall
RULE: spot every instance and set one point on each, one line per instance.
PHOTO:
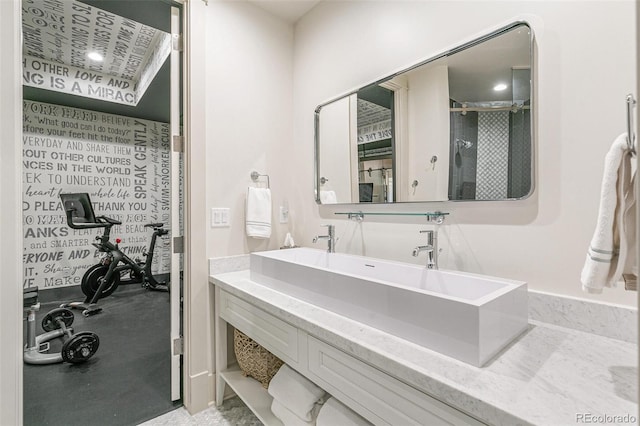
(585, 66)
(249, 118)
(428, 122)
(337, 161)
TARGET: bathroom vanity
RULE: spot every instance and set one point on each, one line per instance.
(371, 392)
(547, 375)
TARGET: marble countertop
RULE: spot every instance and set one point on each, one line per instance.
(548, 376)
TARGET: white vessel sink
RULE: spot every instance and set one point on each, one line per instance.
(465, 316)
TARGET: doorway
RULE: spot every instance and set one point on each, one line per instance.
(103, 127)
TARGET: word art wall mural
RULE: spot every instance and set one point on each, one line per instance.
(124, 165)
(57, 36)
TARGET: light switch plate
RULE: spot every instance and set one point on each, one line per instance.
(284, 214)
(220, 217)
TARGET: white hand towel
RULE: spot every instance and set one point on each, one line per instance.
(328, 197)
(613, 243)
(334, 413)
(287, 417)
(297, 393)
(258, 211)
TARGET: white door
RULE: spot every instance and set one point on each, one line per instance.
(176, 207)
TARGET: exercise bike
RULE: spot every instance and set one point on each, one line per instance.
(77, 348)
(103, 279)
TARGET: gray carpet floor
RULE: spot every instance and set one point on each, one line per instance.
(125, 383)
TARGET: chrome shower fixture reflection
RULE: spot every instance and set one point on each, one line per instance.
(461, 143)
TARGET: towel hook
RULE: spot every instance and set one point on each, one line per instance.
(631, 136)
(255, 175)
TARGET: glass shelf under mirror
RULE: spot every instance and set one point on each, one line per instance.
(437, 217)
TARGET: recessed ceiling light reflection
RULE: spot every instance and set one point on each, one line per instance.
(499, 87)
(95, 56)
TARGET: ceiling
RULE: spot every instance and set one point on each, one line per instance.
(149, 16)
(154, 104)
(474, 72)
(289, 10)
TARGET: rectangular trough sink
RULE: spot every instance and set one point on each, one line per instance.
(465, 316)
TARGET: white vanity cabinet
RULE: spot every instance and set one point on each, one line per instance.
(369, 391)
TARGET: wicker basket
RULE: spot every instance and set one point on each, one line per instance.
(254, 360)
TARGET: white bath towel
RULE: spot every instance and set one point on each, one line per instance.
(297, 393)
(287, 417)
(334, 413)
(328, 197)
(258, 212)
(612, 248)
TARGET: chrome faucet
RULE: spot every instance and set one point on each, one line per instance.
(431, 248)
(331, 239)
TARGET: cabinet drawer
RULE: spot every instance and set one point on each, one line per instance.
(380, 398)
(277, 336)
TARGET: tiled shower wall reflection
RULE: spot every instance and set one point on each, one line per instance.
(493, 155)
(497, 162)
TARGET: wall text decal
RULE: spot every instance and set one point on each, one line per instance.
(123, 163)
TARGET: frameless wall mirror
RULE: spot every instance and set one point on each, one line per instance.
(454, 127)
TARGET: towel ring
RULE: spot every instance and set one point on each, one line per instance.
(631, 136)
(255, 175)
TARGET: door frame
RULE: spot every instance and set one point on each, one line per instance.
(11, 212)
(197, 362)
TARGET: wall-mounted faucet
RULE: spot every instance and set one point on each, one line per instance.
(331, 239)
(431, 248)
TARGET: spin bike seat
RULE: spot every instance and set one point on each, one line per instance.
(154, 225)
(30, 296)
(109, 220)
(80, 214)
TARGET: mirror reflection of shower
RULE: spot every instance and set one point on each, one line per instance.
(460, 144)
(489, 159)
(376, 181)
(463, 154)
(490, 142)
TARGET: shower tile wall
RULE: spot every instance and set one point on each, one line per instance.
(493, 155)
(520, 154)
